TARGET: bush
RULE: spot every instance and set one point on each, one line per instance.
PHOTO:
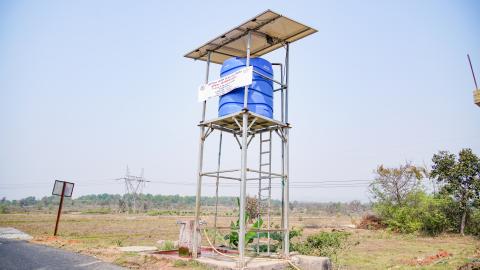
(420, 213)
(433, 214)
(325, 244)
(3, 209)
(473, 223)
(167, 245)
(398, 218)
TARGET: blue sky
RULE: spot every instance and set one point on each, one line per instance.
(87, 87)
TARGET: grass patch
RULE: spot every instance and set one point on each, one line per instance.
(190, 264)
(167, 245)
(99, 235)
(101, 211)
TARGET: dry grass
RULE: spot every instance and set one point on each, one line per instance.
(99, 235)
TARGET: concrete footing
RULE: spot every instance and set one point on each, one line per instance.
(311, 262)
(301, 261)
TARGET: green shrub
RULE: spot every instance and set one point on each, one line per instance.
(3, 209)
(118, 242)
(420, 213)
(473, 223)
(400, 218)
(278, 238)
(433, 214)
(167, 245)
(326, 244)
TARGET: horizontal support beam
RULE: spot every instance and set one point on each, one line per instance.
(278, 89)
(267, 177)
(222, 171)
(257, 171)
(266, 230)
(268, 78)
(252, 229)
(221, 176)
(228, 130)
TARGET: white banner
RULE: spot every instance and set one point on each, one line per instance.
(239, 78)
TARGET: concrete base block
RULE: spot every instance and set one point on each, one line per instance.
(301, 261)
(311, 262)
(252, 264)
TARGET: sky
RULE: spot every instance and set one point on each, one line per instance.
(89, 87)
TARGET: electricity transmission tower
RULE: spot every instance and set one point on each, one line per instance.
(133, 189)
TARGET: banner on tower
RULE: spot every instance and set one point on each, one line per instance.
(239, 78)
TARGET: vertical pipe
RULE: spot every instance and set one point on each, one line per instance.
(245, 97)
(269, 192)
(282, 109)
(59, 209)
(282, 118)
(287, 65)
(282, 225)
(207, 73)
(286, 236)
(243, 183)
(216, 187)
(199, 171)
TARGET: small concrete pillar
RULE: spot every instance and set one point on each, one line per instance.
(185, 238)
(311, 262)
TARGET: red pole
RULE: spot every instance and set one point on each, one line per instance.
(59, 209)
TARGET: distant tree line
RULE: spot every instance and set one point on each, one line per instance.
(114, 203)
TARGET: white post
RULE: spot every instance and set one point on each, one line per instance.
(196, 231)
(286, 186)
(243, 183)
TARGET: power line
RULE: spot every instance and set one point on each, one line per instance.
(135, 184)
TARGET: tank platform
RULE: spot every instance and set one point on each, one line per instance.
(476, 97)
(232, 123)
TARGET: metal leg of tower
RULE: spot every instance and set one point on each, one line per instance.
(286, 185)
(286, 237)
(243, 190)
(269, 204)
(198, 194)
(199, 171)
(243, 183)
(216, 188)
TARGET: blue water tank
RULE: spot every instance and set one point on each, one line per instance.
(260, 92)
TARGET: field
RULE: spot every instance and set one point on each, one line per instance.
(100, 235)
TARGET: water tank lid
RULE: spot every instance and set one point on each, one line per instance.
(259, 63)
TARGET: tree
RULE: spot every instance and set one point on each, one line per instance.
(459, 178)
(393, 185)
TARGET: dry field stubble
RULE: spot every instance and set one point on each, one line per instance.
(99, 235)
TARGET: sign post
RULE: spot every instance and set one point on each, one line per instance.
(62, 189)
